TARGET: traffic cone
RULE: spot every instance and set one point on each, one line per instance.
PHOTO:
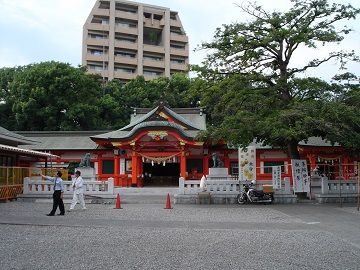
(168, 203)
(118, 203)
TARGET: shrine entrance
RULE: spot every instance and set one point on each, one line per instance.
(161, 174)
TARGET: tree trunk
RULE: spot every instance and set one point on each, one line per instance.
(292, 150)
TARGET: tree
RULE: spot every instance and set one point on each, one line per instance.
(7, 118)
(276, 106)
(54, 96)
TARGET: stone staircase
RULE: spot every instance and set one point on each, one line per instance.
(146, 195)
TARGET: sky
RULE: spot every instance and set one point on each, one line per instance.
(33, 31)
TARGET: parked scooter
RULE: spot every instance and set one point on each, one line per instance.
(250, 195)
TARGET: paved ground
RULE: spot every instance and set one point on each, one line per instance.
(146, 236)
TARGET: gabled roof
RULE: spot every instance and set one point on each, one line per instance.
(11, 138)
(152, 119)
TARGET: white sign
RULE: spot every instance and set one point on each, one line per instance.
(276, 177)
(300, 174)
(247, 163)
(122, 165)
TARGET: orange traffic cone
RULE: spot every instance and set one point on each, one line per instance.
(168, 203)
(118, 203)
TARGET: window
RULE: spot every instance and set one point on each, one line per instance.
(268, 166)
(108, 166)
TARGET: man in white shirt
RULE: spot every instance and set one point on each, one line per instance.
(58, 193)
(77, 184)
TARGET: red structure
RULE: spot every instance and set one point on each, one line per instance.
(160, 145)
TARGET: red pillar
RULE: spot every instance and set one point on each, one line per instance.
(183, 164)
(116, 170)
(100, 166)
(134, 169)
(312, 160)
(140, 172)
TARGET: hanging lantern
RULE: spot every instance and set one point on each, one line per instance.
(152, 163)
(143, 159)
(164, 163)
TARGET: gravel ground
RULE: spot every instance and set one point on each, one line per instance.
(186, 237)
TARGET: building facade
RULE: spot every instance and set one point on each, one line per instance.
(123, 39)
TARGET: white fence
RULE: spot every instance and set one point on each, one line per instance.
(190, 187)
(338, 186)
(90, 187)
(227, 187)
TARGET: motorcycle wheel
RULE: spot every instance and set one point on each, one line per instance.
(241, 199)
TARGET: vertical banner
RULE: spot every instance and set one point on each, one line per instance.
(247, 163)
(300, 174)
(122, 165)
(276, 177)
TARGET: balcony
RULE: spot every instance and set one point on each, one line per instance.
(124, 75)
(180, 52)
(98, 26)
(96, 57)
(153, 63)
(179, 38)
(126, 15)
(151, 77)
(102, 12)
(126, 45)
(126, 30)
(126, 60)
(155, 49)
(175, 23)
(97, 42)
(178, 67)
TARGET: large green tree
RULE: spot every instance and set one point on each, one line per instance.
(53, 96)
(260, 91)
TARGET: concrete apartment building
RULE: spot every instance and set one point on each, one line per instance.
(123, 39)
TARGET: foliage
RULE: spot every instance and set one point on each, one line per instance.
(55, 96)
(252, 62)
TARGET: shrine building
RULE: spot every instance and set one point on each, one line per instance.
(160, 144)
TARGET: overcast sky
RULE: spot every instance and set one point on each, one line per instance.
(43, 30)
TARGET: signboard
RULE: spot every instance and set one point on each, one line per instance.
(122, 165)
(276, 177)
(300, 174)
(247, 163)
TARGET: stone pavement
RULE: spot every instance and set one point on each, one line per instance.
(146, 236)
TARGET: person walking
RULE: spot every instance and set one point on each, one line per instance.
(58, 193)
(78, 183)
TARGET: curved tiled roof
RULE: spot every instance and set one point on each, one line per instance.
(121, 134)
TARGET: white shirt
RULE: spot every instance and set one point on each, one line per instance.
(78, 183)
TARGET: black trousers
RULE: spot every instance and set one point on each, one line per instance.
(57, 201)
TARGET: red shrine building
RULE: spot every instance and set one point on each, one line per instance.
(160, 144)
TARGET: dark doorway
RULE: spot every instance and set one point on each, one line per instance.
(159, 175)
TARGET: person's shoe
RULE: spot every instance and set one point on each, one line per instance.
(70, 210)
(50, 215)
(61, 214)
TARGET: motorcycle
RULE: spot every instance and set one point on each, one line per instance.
(250, 195)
